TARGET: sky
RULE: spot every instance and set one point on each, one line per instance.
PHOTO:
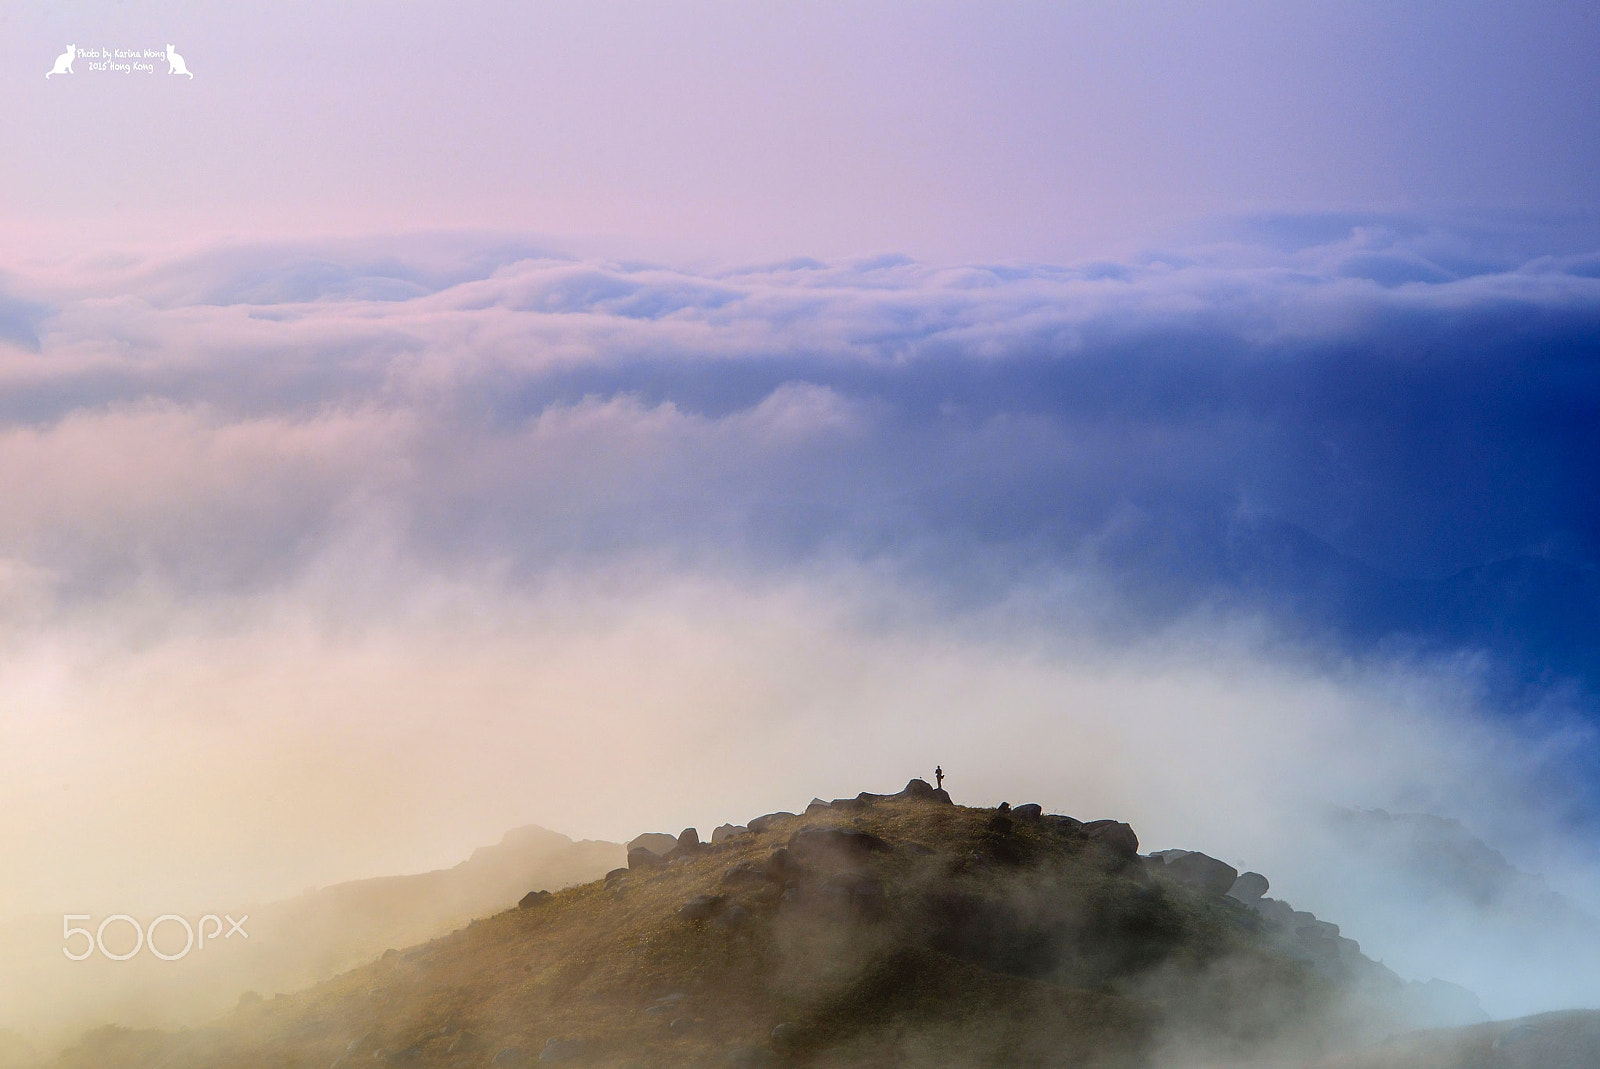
(952, 131)
(432, 419)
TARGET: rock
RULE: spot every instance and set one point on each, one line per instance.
(641, 857)
(1249, 887)
(761, 824)
(357, 1043)
(812, 843)
(749, 874)
(539, 898)
(682, 1025)
(1000, 824)
(785, 1036)
(562, 1050)
(510, 1058)
(749, 1058)
(408, 1056)
(1030, 811)
(921, 790)
(817, 805)
(1203, 873)
(1115, 836)
(726, 831)
(688, 839)
(658, 843)
(1275, 911)
(702, 908)
(854, 896)
(732, 918)
(615, 874)
(248, 998)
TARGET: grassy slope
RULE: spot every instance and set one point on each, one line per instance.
(1034, 947)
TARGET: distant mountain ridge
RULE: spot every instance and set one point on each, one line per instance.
(293, 942)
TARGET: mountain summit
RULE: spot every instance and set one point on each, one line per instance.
(880, 930)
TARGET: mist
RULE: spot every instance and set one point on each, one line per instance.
(332, 560)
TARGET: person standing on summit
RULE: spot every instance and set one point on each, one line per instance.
(938, 777)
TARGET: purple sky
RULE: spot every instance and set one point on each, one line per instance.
(951, 131)
(432, 419)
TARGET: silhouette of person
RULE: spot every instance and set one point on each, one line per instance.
(938, 776)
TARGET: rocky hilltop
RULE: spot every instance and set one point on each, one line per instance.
(880, 930)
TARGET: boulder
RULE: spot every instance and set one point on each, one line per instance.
(640, 857)
(921, 790)
(817, 805)
(731, 918)
(1249, 887)
(853, 896)
(657, 842)
(785, 1036)
(725, 831)
(1030, 811)
(510, 1058)
(1000, 824)
(702, 908)
(761, 824)
(688, 844)
(749, 874)
(1203, 873)
(1114, 836)
(810, 844)
(1275, 911)
(536, 898)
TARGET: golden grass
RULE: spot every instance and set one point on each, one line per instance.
(590, 962)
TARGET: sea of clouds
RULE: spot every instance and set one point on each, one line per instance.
(324, 559)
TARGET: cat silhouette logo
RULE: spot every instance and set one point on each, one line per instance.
(64, 61)
(175, 63)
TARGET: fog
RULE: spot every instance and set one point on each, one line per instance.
(340, 559)
(279, 744)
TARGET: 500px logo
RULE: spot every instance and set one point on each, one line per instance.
(145, 937)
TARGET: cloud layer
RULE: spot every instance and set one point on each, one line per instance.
(1339, 427)
(447, 534)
